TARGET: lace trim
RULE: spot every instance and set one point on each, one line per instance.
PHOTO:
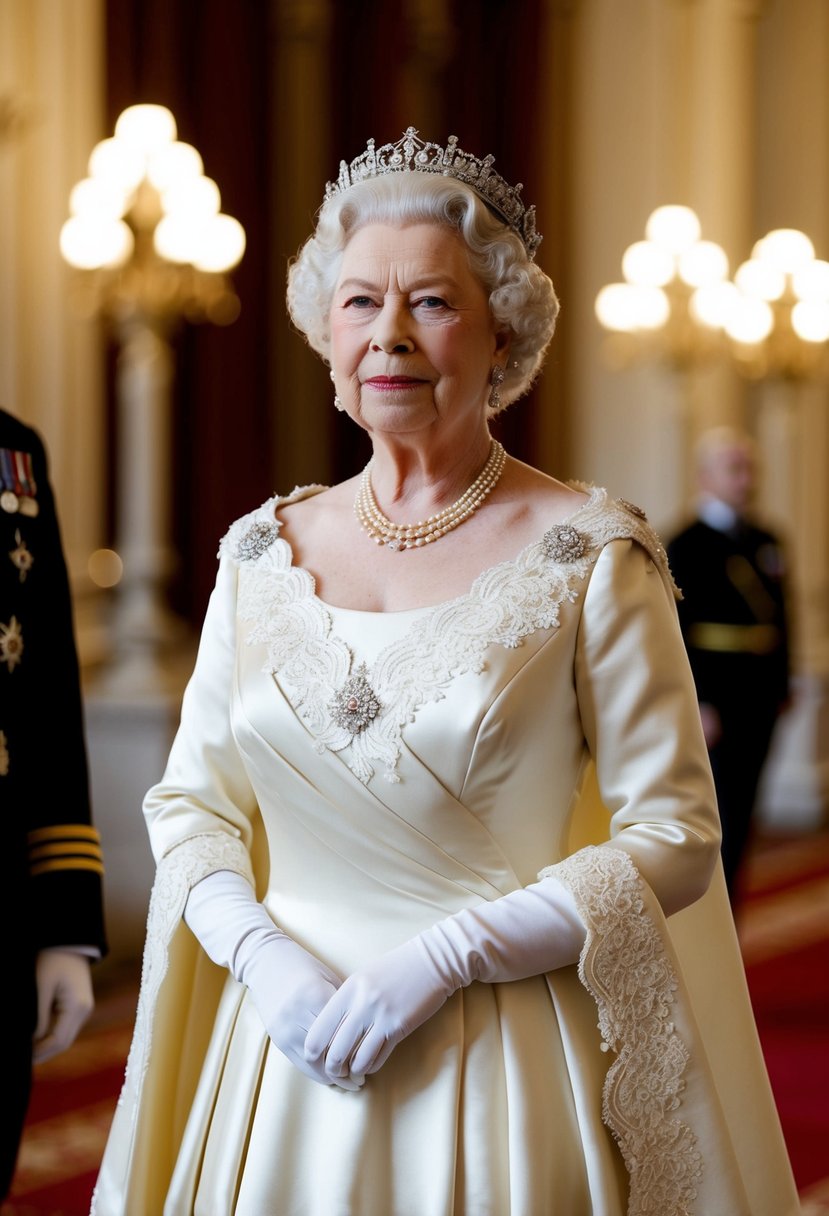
(181, 869)
(625, 969)
(622, 519)
(506, 604)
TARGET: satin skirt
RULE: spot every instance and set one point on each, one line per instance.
(472, 1114)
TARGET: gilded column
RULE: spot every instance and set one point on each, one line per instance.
(721, 165)
(631, 112)
(793, 418)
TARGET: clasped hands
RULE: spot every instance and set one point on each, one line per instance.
(338, 1032)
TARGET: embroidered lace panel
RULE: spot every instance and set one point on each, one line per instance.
(624, 967)
(184, 866)
(177, 872)
(506, 603)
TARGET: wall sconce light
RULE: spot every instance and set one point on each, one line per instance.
(147, 228)
(677, 302)
(652, 313)
(778, 321)
(151, 247)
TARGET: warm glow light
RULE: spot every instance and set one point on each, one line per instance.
(105, 567)
(647, 264)
(787, 249)
(156, 181)
(673, 227)
(750, 322)
(615, 309)
(221, 244)
(777, 303)
(97, 196)
(811, 282)
(212, 243)
(195, 196)
(712, 304)
(118, 164)
(652, 307)
(174, 163)
(625, 307)
(702, 263)
(176, 238)
(146, 127)
(761, 280)
(92, 243)
(810, 320)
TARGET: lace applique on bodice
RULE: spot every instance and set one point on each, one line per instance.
(361, 711)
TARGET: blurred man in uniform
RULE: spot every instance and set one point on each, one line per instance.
(50, 896)
(733, 618)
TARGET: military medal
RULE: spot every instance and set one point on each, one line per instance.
(11, 643)
(9, 485)
(28, 487)
(18, 488)
(21, 556)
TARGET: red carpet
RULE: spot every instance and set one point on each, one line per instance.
(784, 931)
(72, 1104)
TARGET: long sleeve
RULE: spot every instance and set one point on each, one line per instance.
(640, 718)
(205, 788)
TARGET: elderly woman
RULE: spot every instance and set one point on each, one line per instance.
(373, 820)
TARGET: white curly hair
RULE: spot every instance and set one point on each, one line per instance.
(522, 299)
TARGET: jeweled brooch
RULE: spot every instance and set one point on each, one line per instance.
(355, 705)
(563, 543)
(256, 540)
(632, 507)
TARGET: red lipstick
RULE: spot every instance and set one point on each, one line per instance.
(393, 382)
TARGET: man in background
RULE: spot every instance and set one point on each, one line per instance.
(50, 895)
(733, 618)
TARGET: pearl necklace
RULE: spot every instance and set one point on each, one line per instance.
(412, 536)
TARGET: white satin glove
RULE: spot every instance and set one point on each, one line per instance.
(64, 1000)
(288, 985)
(528, 932)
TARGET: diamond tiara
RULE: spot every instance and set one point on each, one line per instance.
(413, 155)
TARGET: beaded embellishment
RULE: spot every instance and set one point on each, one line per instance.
(355, 705)
(563, 543)
(632, 507)
(259, 537)
(505, 604)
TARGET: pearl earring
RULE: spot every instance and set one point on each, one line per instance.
(337, 402)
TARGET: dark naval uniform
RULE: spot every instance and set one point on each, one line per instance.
(52, 865)
(733, 618)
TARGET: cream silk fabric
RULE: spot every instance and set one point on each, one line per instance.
(586, 1092)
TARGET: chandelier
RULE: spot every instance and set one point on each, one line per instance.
(677, 303)
(146, 228)
(150, 247)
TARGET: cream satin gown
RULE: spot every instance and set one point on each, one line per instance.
(587, 1092)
